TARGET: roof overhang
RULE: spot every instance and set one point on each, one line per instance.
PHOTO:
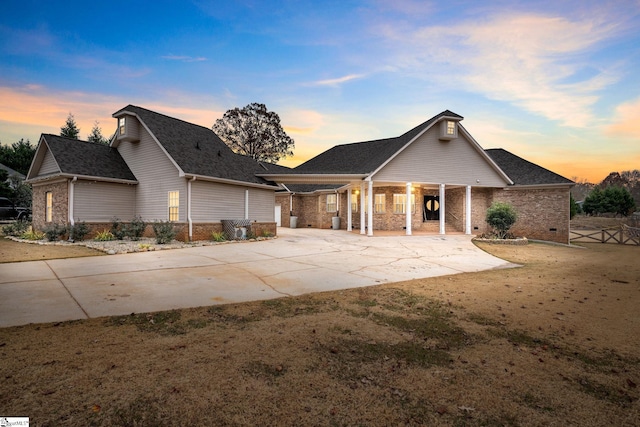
(196, 177)
(312, 178)
(539, 186)
(56, 176)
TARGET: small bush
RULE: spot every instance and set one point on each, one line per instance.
(78, 231)
(501, 216)
(164, 231)
(267, 233)
(218, 236)
(135, 230)
(118, 230)
(16, 228)
(104, 235)
(32, 235)
(55, 232)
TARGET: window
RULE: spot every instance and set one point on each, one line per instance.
(48, 209)
(355, 200)
(451, 128)
(174, 205)
(379, 203)
(121, 125)
(399, 203)
(332, 202)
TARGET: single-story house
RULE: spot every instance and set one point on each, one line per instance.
(156, 167)
(433, 178)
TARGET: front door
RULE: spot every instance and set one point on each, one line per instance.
(431, 208)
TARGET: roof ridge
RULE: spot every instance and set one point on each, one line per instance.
(163, 115)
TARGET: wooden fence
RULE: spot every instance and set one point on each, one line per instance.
(623, 235)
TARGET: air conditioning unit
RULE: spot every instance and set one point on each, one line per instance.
(240, 232)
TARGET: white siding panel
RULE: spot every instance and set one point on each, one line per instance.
(212, 202)
(102, 201)
(262, 204)
(49, 164)
(429, 160)
(156, 175)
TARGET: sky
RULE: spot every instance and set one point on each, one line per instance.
(555, 82)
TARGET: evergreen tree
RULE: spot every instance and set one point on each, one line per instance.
(96, 135)
(70, 128)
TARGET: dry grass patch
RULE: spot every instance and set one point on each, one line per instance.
(555, 342)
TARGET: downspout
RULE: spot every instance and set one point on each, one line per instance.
(246, 204)
(189, 208)
(70, 205)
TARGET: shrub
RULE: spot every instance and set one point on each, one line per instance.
(118, 230)
(78, 231)
(104, 235)
(501, 216)
(218, 236)
(16, 228)
(164, 231)
(32, 235)
(55, 232)
(135, 230)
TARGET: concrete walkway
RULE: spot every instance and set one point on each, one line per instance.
(300, 261)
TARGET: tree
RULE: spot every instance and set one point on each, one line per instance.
(501, 216)
(96, 134)
(255, 132)
(70, 129)
(18, 156)
(616, 200)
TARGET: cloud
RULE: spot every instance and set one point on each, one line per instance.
(541, 63)
(337, 81)
(184, 58)
(29, 110)
(626, 120)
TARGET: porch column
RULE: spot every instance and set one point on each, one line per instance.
(349, 209)
(362, 205)
(442, 211)
(407, 209)
(370, 213)
(467, 211)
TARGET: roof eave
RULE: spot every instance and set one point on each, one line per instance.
(312, 178)
(229, 181)
(540, 186)
(44, 178)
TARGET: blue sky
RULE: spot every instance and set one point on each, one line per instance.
(556, 82)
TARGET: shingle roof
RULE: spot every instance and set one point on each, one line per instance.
(76, 157)
(523, 172)
(364, 157)
(198, 150)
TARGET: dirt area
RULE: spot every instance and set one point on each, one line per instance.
(11, 251)
(554, 343)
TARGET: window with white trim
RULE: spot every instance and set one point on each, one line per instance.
(355, 200)
(400, 202)
(379, 202)
(451, 128)
(121, 127)
(48, 209)
(174, 205)
(332, 202)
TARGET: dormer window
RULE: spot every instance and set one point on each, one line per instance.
(121, 125)
(448, 130)
(451, 128)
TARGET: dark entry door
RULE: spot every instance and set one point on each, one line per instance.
(431, 211)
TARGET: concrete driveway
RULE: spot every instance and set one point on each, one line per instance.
(300, 261)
